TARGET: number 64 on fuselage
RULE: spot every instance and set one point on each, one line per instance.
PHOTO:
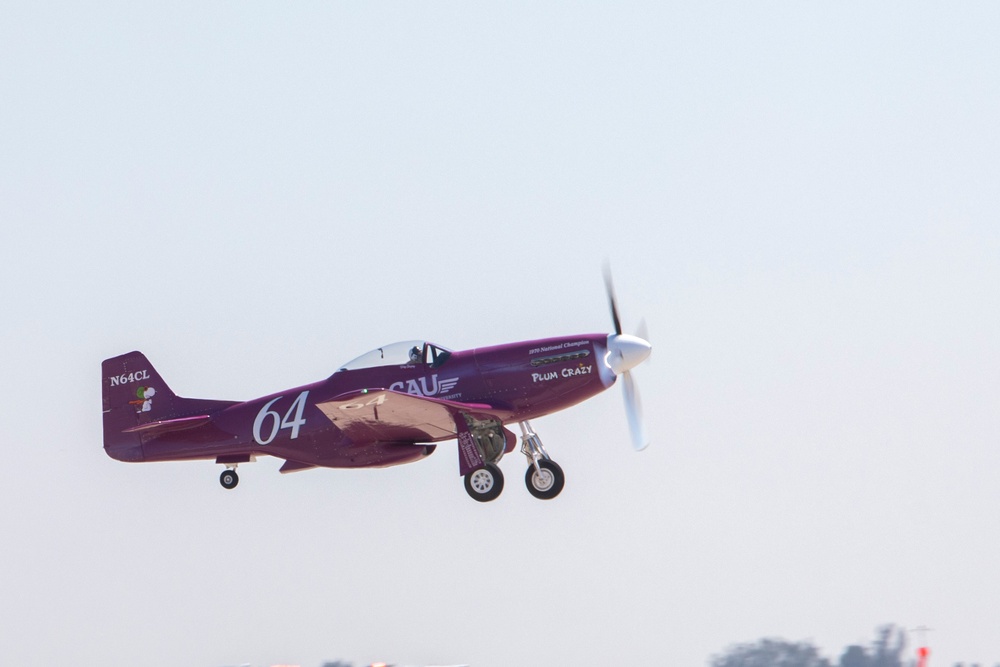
(388, 407)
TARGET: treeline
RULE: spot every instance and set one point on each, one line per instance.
(886, 650)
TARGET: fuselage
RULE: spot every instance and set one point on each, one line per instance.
(515, 381)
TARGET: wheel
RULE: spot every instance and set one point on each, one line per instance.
(547, 484)
(484, 484)
(229, 479)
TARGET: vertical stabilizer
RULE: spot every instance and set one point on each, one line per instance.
(134, 394)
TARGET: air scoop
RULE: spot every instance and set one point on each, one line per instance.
(625, 352)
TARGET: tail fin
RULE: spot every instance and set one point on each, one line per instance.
(135, 395)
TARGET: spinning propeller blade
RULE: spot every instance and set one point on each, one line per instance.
(633, 412)
(625, 353)
(610, 289)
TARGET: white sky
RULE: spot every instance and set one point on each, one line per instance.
(801, 200)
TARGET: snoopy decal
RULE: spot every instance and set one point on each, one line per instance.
(145, 396)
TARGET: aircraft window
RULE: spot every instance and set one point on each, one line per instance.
(436, 355)
(407, 353)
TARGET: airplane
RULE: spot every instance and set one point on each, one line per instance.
(388, 407)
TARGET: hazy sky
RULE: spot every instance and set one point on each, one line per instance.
(801, 200)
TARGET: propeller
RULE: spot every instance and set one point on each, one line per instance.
(625, 352)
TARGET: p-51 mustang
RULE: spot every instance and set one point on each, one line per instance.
(387, 407)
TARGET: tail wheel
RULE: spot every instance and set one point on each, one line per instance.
(547, 482)
(484, 484)
(229, 479)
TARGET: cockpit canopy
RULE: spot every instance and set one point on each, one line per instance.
(406, 353)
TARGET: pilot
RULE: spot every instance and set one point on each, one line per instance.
(416, 355)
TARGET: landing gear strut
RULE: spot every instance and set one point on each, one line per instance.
(544, 478)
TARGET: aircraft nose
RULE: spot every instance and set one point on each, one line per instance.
(626, 352)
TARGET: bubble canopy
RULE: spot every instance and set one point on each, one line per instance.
(405, 353)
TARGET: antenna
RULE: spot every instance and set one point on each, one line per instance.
(923, 652)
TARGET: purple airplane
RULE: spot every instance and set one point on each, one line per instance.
(387, 407)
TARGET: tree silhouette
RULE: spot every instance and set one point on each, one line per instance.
(771, 653)
(885, 651)
(855, 656)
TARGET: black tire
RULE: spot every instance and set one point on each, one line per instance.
(229, 479)
(484, 484)
(549, 484)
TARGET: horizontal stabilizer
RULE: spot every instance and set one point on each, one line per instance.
(168, 425)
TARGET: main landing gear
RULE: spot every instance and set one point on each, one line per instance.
(544, 478)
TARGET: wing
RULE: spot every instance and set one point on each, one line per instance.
(382, 415)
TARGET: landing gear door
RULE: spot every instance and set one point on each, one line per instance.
(468, 454)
